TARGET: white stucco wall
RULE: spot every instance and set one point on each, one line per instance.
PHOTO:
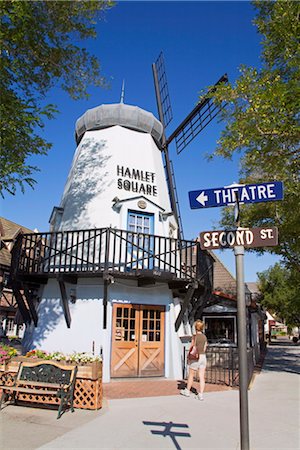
(86, 328)
(93, 181)
(52, 333)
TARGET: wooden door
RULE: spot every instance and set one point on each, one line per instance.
(137, 341)
(151, 342)
(125, 328)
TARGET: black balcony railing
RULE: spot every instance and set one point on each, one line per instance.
(106, 249)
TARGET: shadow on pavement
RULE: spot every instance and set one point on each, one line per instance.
(282, 357)
(167, 431)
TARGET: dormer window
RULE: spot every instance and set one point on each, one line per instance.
(55, 218)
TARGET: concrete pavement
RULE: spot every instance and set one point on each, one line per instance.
(173, 421)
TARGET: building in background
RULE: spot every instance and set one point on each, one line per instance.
(274, 328)
(220, 312)
(11, 321)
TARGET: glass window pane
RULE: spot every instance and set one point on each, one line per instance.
(151, 325)
(140, 223)
(145, 325)
(125, 312)
(119, 312)
(151, 314)
(157, 336)
(151, 336)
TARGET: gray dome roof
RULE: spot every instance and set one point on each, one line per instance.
(128, 116)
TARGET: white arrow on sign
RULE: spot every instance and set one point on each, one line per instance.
(202, 198)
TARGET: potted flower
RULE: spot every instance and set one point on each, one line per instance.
(89, 365)
(6, 353)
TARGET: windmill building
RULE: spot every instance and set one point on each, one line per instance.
(114, 274)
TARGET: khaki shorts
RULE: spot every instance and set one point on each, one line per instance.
(200, 364)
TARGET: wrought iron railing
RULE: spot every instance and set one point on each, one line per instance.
(223, 365)
(105, 249)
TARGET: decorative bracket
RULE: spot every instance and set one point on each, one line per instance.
(64, 301)
(188, 297)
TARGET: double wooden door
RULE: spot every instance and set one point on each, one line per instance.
(137, 341)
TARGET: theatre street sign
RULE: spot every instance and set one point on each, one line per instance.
(247, 237)
(246, 193)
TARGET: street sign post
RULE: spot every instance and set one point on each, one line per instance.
(247, 193)
(242, 347)
(238, 239)
(247, 237)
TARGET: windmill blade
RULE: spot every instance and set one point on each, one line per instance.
(165, 116)
(196, 121)
(162, 91)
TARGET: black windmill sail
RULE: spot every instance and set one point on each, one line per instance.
(205, 111)
(196, 121)
(165, 116)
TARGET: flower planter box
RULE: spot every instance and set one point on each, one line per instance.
(88, 388)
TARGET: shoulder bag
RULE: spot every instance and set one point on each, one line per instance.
(193, 354)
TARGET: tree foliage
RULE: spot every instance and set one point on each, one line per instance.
(40, 50)
(280, 290)
(261, 119)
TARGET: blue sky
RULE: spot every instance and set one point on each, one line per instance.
(200, 41)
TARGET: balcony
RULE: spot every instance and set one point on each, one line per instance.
(90, 253)
(108, 253)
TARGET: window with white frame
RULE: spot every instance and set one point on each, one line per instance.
(10, 325)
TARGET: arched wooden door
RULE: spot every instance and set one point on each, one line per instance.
(137, 341)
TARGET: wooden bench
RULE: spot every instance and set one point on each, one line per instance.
(48, 378)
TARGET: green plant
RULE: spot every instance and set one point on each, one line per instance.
(36, 354)
(13, 338)
(82, 358)
(79, 358)
(7, 352)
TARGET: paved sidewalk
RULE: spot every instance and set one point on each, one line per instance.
(157, 387)
(173, 422)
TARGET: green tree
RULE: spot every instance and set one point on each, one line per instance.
(261, 119)
(280, 293)
(38, 51)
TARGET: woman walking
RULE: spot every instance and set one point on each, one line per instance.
(199, 340)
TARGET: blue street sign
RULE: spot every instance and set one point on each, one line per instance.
(247, 193)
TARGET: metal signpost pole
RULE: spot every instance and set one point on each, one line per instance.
(239, 252)
(242, 347)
